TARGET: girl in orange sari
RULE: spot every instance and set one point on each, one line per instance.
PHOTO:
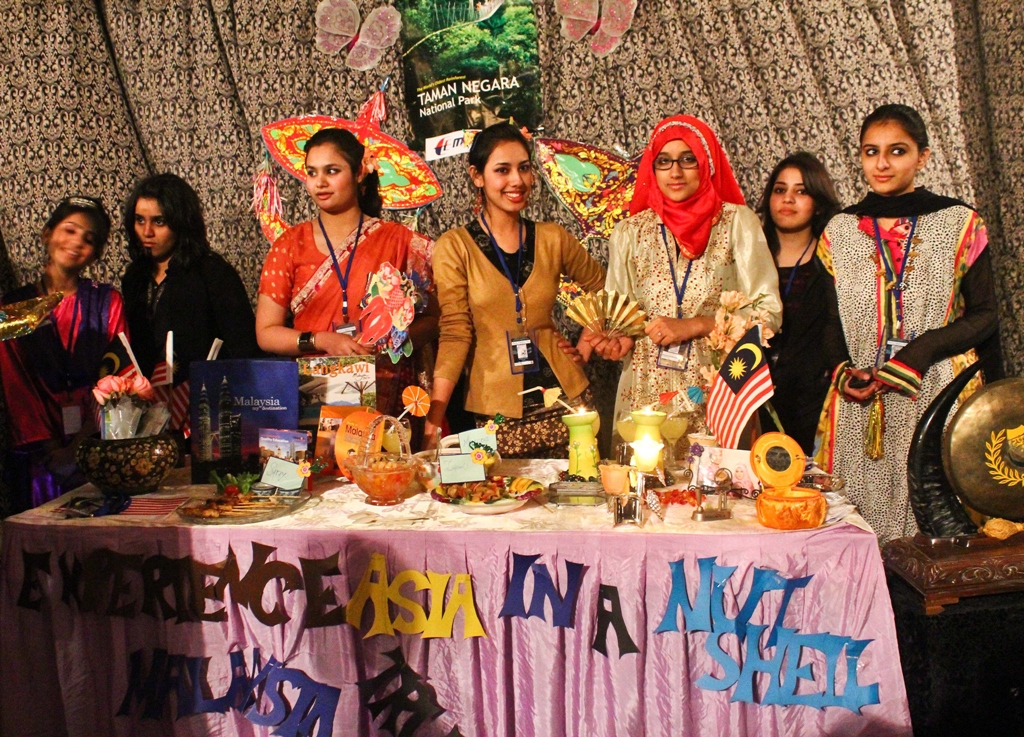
(315, 274)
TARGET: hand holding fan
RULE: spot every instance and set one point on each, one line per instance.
(607, 313)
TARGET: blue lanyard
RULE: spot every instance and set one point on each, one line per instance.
(342, 280)
(792, 274)
(889, 265)
(504, 266)
(680, 291)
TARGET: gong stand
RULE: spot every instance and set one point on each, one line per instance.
(949, 560)
(945, 570)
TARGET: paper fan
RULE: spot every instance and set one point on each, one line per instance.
(593, 184)
(609, 313)
(406, 182)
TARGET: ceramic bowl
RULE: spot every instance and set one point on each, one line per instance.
(132, 466)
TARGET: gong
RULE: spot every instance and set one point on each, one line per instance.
(983, 453)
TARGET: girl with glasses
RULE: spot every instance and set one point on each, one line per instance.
(690, 237)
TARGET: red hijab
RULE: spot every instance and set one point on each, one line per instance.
(690, 220)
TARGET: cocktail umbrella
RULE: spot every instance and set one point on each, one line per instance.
(406, 182)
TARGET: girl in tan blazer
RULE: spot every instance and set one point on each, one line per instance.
(497, 280)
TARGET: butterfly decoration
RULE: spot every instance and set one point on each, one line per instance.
(595, 185)
(337, 28)
(606, 21)
(406, 182)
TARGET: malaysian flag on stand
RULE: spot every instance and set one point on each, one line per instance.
(741, 386)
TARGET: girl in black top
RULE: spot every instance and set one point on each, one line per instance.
(798, 201)
(176, 282)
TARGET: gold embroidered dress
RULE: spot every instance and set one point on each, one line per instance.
(737, 258)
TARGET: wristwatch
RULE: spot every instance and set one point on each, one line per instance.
(307, 343)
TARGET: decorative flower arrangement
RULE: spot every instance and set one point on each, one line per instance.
(738, 314)
(127, 409)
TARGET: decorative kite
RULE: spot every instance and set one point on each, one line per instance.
(406, 182)
(594, 185)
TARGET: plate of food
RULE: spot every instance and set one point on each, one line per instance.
(241, 509)
(494, 495)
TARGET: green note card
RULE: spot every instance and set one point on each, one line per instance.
(282, 474)
(480, 435)
(460, 469)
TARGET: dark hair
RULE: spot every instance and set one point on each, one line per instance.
(489, 139)
(180, 206)
(89, 206)
(818, 185)
(907, 117)
(368, 190)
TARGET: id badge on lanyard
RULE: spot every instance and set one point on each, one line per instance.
(675, 357)
(893, 296)
(349, 328)
(523, 356)
(346, 328)
(71, 414)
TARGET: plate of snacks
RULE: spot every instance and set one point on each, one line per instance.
(237, 504)
(494, 495)
(241, 509)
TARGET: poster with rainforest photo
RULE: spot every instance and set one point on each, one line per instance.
(468, 64)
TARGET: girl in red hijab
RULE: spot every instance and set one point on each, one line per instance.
(689, 238)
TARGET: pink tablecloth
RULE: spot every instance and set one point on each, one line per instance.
(299, 627)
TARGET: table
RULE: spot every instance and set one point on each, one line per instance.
(418, 619)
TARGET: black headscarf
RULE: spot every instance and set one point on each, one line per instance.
(917, 202)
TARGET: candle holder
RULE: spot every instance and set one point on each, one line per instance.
(583, 454)
(719, 509)
(648, 423)
(631, 507)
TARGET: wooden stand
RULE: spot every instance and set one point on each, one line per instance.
(945, 570)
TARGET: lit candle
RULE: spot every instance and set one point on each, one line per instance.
(646, 453)
(648, 422)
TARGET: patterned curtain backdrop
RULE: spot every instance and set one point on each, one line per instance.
(97, 94)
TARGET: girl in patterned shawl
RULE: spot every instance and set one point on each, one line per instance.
(915, 296)
(48, 376)
(689, 238)
(315, 274)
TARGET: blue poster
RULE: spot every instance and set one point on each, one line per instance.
(230, 402)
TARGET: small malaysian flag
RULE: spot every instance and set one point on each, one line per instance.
(741, 386)
(153, 506)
